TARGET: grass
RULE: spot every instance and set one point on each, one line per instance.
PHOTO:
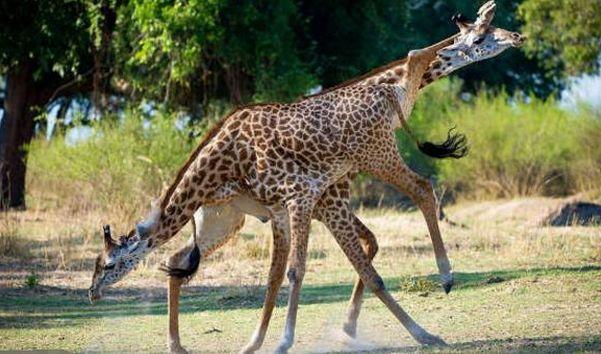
(520, 288)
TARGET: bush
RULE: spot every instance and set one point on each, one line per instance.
(520, 149)
(124, 166)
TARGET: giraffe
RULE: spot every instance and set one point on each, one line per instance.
(304, 172)
(213, 226)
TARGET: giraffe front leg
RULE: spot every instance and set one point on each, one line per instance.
(390, 168)
(299, 212)
(175, 285)
(279, 255)
(213, 226)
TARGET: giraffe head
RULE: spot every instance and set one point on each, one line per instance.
(119, 257)
(477, 41)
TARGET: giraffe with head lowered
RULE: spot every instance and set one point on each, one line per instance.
(285, 160)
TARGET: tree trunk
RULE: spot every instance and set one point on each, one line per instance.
(16, 131)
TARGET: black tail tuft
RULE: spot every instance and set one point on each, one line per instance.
(455, 146)
(193, 263)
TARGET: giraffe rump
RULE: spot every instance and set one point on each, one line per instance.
(454, 146)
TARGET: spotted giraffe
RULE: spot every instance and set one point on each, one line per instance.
(289, 155)
(215, 225)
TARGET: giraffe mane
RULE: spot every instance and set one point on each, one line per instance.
(210, 134)
(354, 80)
(205, 140)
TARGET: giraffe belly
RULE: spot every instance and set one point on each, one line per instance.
(252, 207)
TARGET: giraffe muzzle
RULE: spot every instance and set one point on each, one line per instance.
(94, 295)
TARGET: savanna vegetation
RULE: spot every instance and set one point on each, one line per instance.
(102, 101)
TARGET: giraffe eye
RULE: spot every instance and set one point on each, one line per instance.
(109, 267)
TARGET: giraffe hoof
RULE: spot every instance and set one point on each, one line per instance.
(177, 349)
(429, 339)
(350, 329)
(281, 350)
(447, 286)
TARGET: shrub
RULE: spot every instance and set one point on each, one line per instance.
(518, 148)
(122, 167)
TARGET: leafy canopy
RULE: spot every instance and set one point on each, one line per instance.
(563, 34)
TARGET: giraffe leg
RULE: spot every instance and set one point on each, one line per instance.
(299, 212)
(279, 254)
(419, 189)
(338, 195)
(175, 284)
(370, 248)
(212, 227)
(340, 222)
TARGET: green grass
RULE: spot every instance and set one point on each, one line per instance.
(554, 309)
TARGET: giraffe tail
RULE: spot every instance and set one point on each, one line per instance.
(454, 146)
(190, 270)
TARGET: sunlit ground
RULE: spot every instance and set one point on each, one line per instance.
(521, 288)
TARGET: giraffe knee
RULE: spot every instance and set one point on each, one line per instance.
(292, 278)
(425, 191)
(376, 284)
(372, 249)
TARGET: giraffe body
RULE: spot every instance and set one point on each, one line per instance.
(287, 156)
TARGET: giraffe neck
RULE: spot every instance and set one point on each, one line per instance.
(185, 195)
(432, 66)
(397, 75)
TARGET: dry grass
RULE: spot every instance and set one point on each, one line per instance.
(519, 286)
(505, 232)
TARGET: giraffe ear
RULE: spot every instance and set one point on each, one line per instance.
(108, 240)
(460, 21)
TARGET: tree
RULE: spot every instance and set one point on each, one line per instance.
(186, 53)
(565, 35)
(44, 51)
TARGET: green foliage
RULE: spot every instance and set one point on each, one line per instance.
(343, 39)
(563, 33)
(260, 39)
(163, 43)
(51, 35)
(418, 284)
(125, 165)
(32, 280)
(520, 148)
(184, 52)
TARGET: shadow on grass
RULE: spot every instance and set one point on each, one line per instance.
(55, 306)
(555, 344)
